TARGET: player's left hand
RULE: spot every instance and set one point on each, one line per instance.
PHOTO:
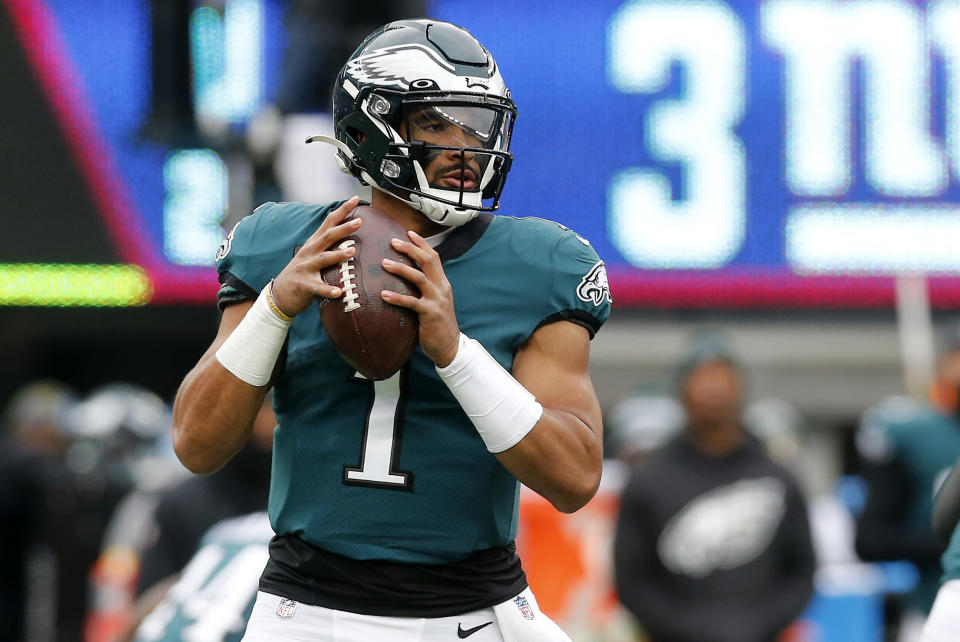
(439, 331)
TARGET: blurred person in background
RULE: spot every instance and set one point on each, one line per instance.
(165, 538)
(713, 541)
(151, 466)
(76, 460)
(214, 593)
(156, 528)
(185, 511)
(117, 430)
(207, 549)
(907, 447)
(32, 446)
(943, 623)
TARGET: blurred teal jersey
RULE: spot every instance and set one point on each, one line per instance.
(951, 558)
(394, 470)
(214, 594)
(924, 443)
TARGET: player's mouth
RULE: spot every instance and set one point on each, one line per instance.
(465, 180)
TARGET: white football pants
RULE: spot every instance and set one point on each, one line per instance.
(275, 619)
(943, 623)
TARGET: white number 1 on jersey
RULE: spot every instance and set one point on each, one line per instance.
(381, 438)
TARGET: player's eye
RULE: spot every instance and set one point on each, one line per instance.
(431, 126)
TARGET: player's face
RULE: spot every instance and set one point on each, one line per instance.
(451, 126)
(712, 394)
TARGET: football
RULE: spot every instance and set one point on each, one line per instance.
(373, 336)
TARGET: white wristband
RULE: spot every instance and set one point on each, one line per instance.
(501, 409)
(251, 350)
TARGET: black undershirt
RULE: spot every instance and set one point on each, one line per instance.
(305, 573)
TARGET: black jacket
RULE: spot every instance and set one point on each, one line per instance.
(713, 549)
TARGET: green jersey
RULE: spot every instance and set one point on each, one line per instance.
(215, 592)
(926, 443)
(922, 443)
(394, 470)
(951, 558)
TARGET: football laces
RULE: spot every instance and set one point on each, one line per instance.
(347, 284)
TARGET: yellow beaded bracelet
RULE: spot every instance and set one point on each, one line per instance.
(283, 316)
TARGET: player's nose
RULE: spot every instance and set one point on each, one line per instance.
(467, 155)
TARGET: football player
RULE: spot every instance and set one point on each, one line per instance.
(908, 447)
(943, 623)
(395, 502)
(211, 598)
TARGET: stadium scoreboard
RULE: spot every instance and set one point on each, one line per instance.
(783, 153)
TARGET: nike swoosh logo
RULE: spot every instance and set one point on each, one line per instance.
(462, 632)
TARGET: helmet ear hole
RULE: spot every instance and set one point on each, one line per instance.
(355, 134)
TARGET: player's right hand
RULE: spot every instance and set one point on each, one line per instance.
(300, 282)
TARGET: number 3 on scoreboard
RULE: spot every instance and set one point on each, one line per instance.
(706, 230)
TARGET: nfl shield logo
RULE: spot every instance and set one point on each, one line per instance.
(525, 609)
(286, 608)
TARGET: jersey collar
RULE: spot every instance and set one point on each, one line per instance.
(464, 237)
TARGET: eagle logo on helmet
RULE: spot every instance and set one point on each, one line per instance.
(399, 66)
(403, 65)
